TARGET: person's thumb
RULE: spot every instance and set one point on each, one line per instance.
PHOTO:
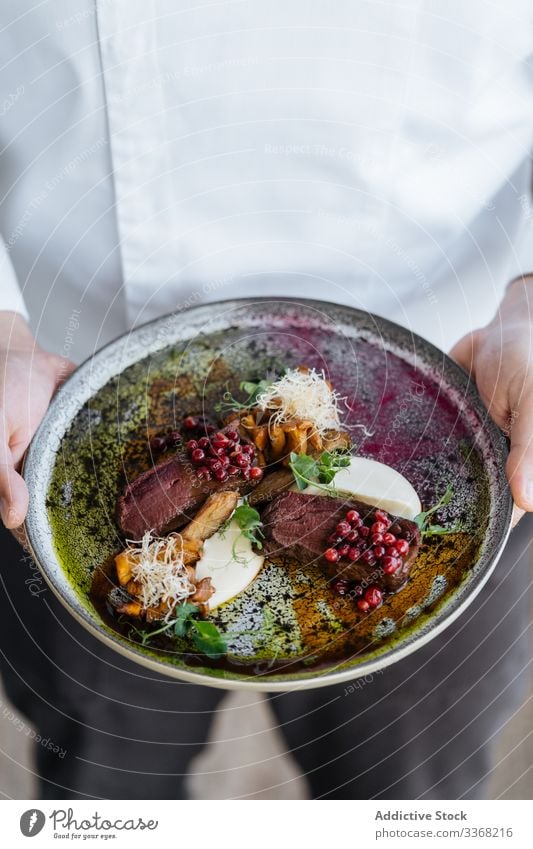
(63, 368)
(463, 352)
(520, 460)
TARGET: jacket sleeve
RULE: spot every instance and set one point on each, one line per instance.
(10, 294)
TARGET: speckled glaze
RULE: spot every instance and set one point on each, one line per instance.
(288, 630)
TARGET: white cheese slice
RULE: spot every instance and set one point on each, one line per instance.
(380, 485)
(229, 560)
(376, 484)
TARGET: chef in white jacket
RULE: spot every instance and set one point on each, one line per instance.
(156, 154)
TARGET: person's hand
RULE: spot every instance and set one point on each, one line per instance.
(29, 377)
(500, 359)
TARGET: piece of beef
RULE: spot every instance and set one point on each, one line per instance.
(271, 486)
(167, 496)
(299, 525)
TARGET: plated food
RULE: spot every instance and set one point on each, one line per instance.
(277, 496)
(313, 501)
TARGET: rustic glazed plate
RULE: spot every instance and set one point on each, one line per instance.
(410, 406)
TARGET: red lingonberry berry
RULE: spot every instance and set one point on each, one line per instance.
(402, 546)
(158, 443)
(373, 596)
(390, 564)
(381, 516)
(343, 528)
(352, 516)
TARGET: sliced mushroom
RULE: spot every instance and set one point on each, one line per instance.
(336, 440)
(260, 437)
(277, 441)
(204, 591)
(123, 566)
(192, 551)
(216, 510)
(131, 608)
(314, 440)
(297, 440)
(134, 587)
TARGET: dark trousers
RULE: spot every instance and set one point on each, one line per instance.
(423, 728)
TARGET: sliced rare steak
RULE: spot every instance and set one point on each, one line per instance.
(271, 486)
(305, 527)
(167, 496)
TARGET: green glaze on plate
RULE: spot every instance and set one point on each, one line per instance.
(288, 628)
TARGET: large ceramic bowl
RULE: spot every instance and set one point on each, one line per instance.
(409, 405)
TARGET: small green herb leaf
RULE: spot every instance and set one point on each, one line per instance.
(254, 389)
(249, 521)
(230, 404)
(330, 462)
(205, 635)
(185, 614)
(305, 470)
(319, 471)
(208, 639)
(422, 520)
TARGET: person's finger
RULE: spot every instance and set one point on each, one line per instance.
(517, 515)
(13, 497)
(520, 460)
(63, 368)
(463, 352)
(21, 536)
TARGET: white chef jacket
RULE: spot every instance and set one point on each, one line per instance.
(155, 154)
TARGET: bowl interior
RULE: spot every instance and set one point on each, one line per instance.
(408, 405)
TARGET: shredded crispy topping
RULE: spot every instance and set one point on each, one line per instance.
(157, 565)
(303, 394)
